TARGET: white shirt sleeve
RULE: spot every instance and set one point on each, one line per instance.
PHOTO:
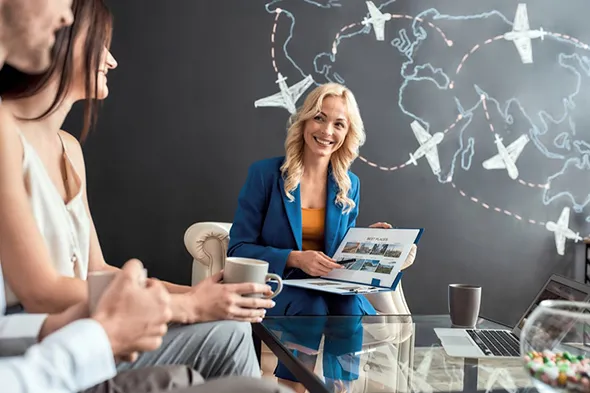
(71, 359)
(17, 330)
(21, 329)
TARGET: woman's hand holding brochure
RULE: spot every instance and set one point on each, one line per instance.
(367, 261)
(314, 263)
(381, 225)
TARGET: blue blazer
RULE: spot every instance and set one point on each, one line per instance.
(267, 226)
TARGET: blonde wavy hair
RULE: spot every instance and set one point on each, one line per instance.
(341, 159)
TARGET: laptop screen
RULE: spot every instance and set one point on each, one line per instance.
(555, 291)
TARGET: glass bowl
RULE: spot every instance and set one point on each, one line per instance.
(555, 346)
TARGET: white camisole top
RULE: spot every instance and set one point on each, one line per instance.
(65, 226)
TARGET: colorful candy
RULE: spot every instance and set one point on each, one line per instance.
(560, 370)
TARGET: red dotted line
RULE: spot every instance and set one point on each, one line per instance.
(570, 38)
(496, 209)
(496, 38)
(342, 30)
(451, 85)
(393, 16)
(383, 168)
(272, 40)
(485, 109)
(443, 35)
(394, 168)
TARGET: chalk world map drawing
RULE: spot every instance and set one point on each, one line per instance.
(505, 94)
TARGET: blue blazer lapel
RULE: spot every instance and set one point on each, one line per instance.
(293, 210)
(333, 216)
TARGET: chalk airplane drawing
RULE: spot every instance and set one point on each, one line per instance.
(428, 147)
(521, 34)
(561, 230)
(288, 96)
(377, 19)
(507, 156)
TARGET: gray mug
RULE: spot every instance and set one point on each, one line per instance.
(239, 270)
(464, 302)
(98, 281)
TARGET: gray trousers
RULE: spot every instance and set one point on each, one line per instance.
(181, 379)
(213, 349)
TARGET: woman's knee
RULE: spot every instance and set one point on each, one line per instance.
(305, 302)
(349, 305)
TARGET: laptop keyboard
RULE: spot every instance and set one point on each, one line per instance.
(496, 342)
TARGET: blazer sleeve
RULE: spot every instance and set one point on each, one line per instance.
(356, 197)
(245, 232)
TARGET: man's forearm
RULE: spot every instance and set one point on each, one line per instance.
(105, 267)
(183, 309)
(175, 288)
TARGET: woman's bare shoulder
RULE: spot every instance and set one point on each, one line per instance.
(73, 147)
(72, 143)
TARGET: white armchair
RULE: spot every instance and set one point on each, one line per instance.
(207, 242)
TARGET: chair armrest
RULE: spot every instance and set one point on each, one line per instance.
(207, 244)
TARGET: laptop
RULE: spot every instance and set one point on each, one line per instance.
(503, 343)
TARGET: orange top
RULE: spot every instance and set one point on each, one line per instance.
(312, 229)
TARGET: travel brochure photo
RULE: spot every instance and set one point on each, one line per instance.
(371, 258)
(362, 256)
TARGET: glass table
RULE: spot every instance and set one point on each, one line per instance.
(383, 354)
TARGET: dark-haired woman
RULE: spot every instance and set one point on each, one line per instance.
(48, 243)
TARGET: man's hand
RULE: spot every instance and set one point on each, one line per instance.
(314, 263)
(211, 300)
(131, 357)
(135, 317)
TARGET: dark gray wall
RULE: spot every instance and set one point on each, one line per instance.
(179, 130)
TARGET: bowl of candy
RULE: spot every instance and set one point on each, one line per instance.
(555, 346)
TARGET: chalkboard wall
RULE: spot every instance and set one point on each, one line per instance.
(180, 128)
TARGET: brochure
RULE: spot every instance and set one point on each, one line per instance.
(372, 260)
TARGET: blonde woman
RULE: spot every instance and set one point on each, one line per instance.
(294, 211)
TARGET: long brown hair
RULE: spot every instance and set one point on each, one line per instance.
(90, 16)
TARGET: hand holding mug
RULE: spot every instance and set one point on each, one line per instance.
(134, 314)
(214, 301)
(243, 296)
